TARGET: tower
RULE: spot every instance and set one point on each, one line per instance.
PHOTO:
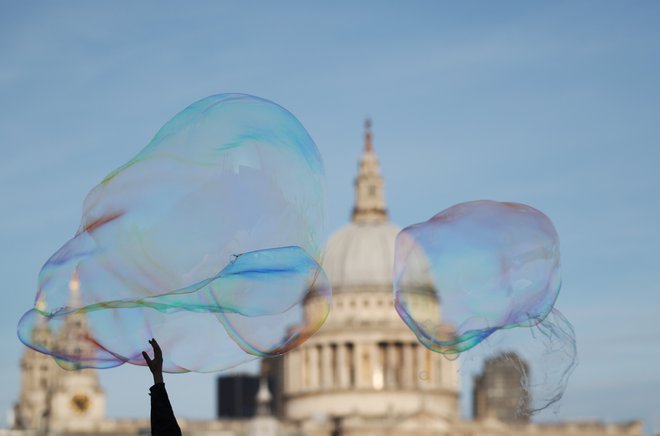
(38, 377)
(500, 391)
(364, 371)
(52, 398)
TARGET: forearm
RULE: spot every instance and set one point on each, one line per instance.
(163, 421)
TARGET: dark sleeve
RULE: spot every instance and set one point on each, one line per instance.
(163, 422)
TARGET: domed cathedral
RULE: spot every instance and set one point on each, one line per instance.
(364, 372)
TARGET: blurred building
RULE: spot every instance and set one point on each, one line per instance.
(502, 390)
(237, 396)
(363, 373)
(50, 397)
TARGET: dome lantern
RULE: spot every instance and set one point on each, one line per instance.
(361, 254)
(369, 187)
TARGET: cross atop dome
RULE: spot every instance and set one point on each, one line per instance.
(367, 135)
(370, 204)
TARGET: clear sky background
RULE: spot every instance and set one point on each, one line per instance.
(555, 104)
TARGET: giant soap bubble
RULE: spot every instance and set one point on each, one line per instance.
(486, 271)
(208, 240)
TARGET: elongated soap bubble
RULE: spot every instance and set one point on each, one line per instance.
(488, 271)
(208, 240)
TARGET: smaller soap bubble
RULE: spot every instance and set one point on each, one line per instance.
(487, 271)
(208, 240)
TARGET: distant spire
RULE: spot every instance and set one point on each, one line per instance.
(367, 135)
(73, 339)
(369, 190)
(41, 326)
(40, 305)
(74, 290)
(263, 398)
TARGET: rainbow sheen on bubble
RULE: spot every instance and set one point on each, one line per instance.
(483, 271)
(208, 240)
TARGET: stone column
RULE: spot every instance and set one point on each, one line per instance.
(376, 376)
(313, 368)
(391, 366)
(429, 366)
(342, 368)
(326, 366)
(304, 369)
(408, 380)
(421, 373)
(439, 367)
(360, 369)
(296, 371)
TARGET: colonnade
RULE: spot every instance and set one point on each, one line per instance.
(355, 365)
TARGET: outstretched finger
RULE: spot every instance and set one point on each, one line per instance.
(146, 358)
(158, 353)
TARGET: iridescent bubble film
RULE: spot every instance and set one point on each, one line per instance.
(486, 269)
(208, 240)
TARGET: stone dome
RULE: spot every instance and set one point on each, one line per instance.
(361, 254)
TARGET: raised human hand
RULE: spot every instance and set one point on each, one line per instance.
(155, 364)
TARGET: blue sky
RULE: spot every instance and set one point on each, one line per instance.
(554, 104)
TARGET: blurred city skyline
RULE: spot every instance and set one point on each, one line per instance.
(551, 104)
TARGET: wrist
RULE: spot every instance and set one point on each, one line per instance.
(158, 378)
